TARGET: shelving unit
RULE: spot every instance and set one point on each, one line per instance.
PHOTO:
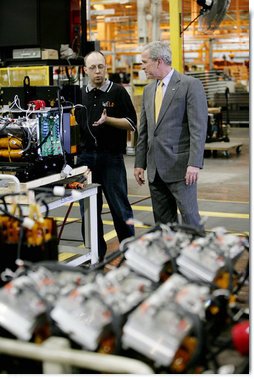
(237, 107)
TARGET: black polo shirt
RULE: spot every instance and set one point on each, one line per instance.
(115, 99)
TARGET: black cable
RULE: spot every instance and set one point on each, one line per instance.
(64, 221)
(7, 213)
(2, 198)
(28, 136)
(242, 280)
(43, 201)
(200, 14)
(44, 139)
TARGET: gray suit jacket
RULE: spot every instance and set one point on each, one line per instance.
(178, 138)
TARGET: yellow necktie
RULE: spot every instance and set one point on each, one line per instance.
(158, 99)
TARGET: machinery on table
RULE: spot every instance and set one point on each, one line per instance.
(36, 136)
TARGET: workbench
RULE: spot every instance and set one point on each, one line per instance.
(90, 251)
(88, 194)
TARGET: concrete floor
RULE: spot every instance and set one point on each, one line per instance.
(221, 179)
(223, 195)
(223, 189)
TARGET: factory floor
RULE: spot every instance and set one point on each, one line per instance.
(223, 194)
(223, 190)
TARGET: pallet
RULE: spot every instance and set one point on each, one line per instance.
(225, 147)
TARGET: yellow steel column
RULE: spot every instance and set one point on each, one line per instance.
(175, 15)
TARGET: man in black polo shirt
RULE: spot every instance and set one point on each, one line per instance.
(106, 114)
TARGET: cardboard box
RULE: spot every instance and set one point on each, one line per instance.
(49, 54)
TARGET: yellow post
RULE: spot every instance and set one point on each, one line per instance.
(175, 14)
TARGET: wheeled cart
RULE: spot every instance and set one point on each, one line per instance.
(225, 147)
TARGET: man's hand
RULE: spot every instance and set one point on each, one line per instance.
(102, 119)
(139, 174)
(191, 176)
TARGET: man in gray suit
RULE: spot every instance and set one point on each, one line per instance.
(171, 148)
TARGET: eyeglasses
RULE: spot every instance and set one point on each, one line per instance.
(100, 67)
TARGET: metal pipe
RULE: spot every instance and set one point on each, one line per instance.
(12, 178)
(83, 359)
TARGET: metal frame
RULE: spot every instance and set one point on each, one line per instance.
(88, 194)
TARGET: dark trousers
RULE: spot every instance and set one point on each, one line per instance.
(108, 170)
(167, 197)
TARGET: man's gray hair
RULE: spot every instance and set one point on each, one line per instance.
(159, 49)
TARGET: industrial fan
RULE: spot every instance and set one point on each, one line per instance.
(212, 13)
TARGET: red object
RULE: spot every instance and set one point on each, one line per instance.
(240, 337)
(38, 104)
(75, 185)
